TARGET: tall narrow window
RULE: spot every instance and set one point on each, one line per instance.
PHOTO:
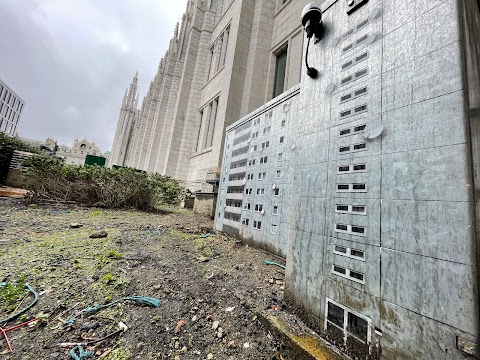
(198, 146)
(280, 71)
(212, 60)
(211, 124)
(225, 44)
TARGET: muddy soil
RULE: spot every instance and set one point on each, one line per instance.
(211, 287)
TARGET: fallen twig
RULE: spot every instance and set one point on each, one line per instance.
(88, 343)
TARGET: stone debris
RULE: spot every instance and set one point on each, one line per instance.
(89, 325)
(75, 225)
(215, 325)
(98, 234)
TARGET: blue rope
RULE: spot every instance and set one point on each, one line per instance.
(143, 300)
(82, 354)
(35, 299)
(267, 262)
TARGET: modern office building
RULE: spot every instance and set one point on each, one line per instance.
(366, 179)
(11, 107)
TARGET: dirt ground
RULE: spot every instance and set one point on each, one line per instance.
(211, 289)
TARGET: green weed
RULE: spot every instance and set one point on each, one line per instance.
(115, 255)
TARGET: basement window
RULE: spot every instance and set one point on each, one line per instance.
(341, 322)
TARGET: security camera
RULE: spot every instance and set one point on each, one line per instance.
(312, 20)
(312, 23)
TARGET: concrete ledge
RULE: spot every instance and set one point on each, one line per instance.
(304, 344)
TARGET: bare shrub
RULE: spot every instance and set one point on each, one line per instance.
(97, 186)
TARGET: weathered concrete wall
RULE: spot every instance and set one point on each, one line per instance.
(273, 123)
(15, 179)
(381, 230)
(205, 204)
(418, 270)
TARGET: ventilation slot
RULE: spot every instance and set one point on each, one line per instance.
(346, 113)
(342, 227)
(348, 33)
(359, 187)
(343, 168)
(347, 65)
(361, 91)
(362, 39)
(344, 149)
(356, 275)
(361, 57)
(358, 229)
(361, 73)
(351, 209)
(347, 48)
(359, 128)
(345, 188)
(339, 269)
(358, 209)
(362, 24)
(346, 80)
(345, 97)
(349, 252)
(360, 109)
(360, 167)
(344, 132)
(357, 253)
(359, 146)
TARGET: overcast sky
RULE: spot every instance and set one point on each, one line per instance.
(71, 60)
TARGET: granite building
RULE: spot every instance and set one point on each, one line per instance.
(127, 120)
(11, 107)
(366, 179)
(226, 58)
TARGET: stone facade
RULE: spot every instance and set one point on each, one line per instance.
(220, 66)
(127, 120)
(76, 154)
(375, 205)
(11, 107)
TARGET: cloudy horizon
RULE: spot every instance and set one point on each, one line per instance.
(72, 60)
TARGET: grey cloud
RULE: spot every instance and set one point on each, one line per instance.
(71, 63)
